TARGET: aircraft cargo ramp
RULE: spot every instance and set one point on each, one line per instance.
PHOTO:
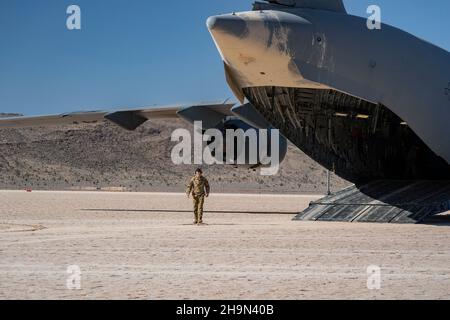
(382, 202)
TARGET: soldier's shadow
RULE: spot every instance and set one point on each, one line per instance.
(209, 224)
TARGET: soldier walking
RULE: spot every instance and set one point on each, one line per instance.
(199, 188)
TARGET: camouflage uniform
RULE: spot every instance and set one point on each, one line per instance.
(199, 188)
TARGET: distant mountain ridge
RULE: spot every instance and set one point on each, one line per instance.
(103, 156)
(10, 115)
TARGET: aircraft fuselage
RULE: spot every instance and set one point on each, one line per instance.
(369, 104)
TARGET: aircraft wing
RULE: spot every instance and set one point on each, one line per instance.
(127, 119)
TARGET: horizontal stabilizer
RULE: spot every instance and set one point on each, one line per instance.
(329, 5)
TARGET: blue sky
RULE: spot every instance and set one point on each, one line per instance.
(139, 52)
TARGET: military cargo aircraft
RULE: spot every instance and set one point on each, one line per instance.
(368, 104)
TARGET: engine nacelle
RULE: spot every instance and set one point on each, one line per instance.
(239, 136)
(247, 146)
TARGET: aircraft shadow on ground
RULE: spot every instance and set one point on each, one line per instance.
(189, 211)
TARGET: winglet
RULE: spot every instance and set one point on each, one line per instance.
(329, 5)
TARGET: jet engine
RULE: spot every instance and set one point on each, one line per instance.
(239, 138)
(245, 145)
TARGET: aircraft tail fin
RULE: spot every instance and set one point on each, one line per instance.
(329, 5)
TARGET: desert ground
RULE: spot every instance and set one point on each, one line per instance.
(143, 246)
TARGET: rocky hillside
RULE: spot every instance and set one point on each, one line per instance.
(105, 157)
